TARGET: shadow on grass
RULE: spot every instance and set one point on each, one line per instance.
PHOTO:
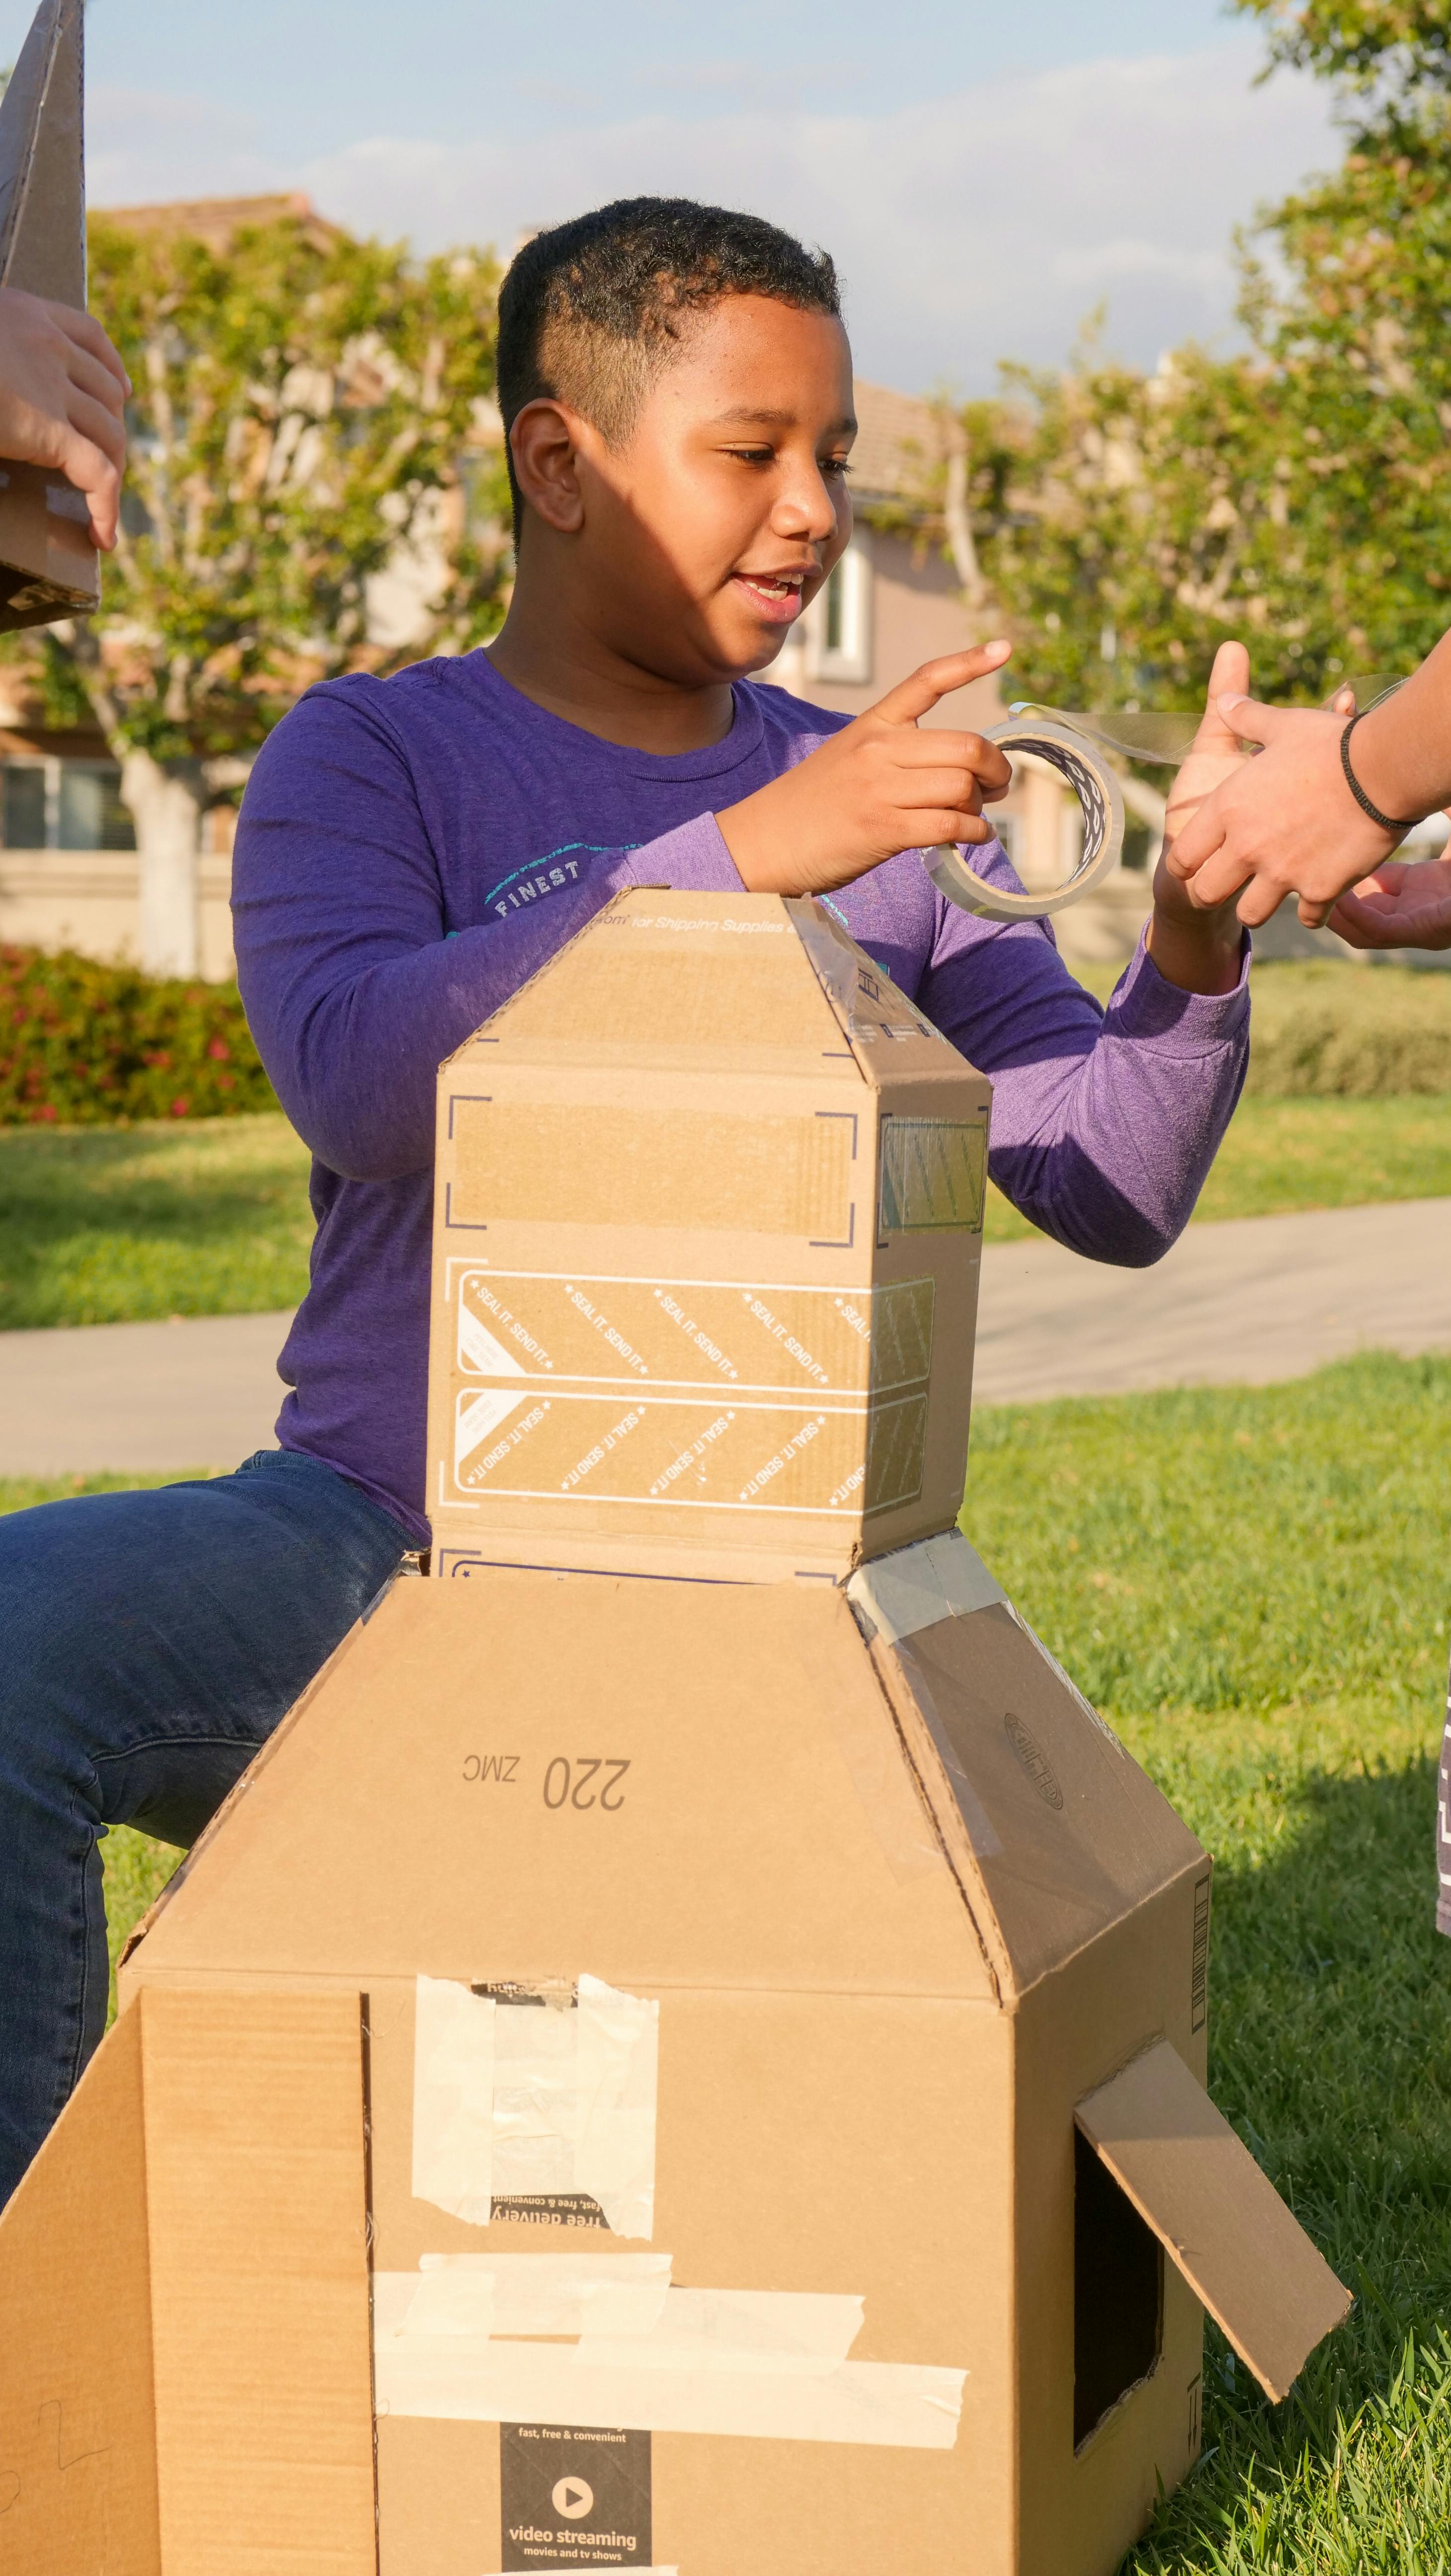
(1331, 2053)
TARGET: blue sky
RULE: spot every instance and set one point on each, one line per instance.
(985, 176)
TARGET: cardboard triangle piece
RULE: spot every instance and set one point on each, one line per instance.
(1217, 2215)
(48, 565)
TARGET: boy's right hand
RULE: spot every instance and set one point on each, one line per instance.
(877, 787)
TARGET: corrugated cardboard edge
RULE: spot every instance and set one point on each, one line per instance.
(242, 1788)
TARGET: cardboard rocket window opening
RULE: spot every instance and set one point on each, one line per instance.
(704, 2024)
(48, 565)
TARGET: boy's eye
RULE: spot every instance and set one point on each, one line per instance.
(840, 466)
(753, 455)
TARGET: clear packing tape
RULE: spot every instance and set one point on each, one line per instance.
(1075, 744)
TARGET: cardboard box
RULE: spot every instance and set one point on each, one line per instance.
(48, 565)
(707, 1237)
(780, 2108)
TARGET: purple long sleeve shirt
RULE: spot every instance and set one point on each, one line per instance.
(411, 850)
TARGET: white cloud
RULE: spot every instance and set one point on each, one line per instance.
(968, 229)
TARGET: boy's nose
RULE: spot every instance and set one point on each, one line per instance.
(809, 509)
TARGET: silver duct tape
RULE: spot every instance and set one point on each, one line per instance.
(1077, 759)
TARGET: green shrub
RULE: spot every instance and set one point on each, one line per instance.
(1348, 1032)
(85, 1045)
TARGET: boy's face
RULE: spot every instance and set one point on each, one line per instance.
(701, 539)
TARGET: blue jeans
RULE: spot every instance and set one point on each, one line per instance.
(149, 1644)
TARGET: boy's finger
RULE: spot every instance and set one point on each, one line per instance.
(919, 694)
(987, 766)
(956, 789)
(1228, 683)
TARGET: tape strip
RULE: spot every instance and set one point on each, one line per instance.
(538, 2294)
(939, 1578)
(798, 2332)
(453, 2099)
(517, 2100)
(488, 2380)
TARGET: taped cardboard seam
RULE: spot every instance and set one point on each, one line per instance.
(538, 2294)
(915, 1587)
(888, 1785)
(935, 1789)
(763, 2365)
(1070, 1685)
(514, 2100)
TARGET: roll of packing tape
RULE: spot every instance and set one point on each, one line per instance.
(1078, 760)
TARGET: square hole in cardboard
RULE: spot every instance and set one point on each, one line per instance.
(1118, 2292)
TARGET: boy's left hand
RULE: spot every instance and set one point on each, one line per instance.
(1200, 950)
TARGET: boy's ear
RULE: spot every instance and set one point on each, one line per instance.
(545, 448)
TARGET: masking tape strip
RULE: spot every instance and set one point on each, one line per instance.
(538, 2294)
(453, 2099)
(516, 2100)
(767, 2384)
(802, 2333)
(939, 1578)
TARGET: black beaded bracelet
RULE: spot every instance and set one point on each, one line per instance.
(1387, 822)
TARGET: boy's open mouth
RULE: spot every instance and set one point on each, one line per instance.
(776, 596)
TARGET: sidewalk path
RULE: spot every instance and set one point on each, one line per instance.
(1254, 1300)
(1243, 1303)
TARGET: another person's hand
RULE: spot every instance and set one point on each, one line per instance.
(1195, 946)
(1404, 904)
(63, 396)
(1286, 824)
(877, 787)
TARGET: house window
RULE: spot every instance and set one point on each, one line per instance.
(838, 624)
(51, 804)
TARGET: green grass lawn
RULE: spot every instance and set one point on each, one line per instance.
(1284, 1154)
(1254, 1585)
(108, 1226)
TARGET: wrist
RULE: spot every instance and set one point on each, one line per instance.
(1201, 954)
(755, 841)
(1371, 776)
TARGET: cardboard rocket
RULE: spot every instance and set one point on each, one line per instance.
(48, 565)
(687, 2050)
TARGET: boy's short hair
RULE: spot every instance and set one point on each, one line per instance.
(589, 310)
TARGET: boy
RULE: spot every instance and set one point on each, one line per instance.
(677, 385)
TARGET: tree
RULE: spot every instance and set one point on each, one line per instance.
(299, 430)
(1295, 494)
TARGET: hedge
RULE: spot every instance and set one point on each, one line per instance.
(88, 1045)
(85, 1045)
(1348, 1032)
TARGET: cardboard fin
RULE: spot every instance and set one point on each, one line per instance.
(1218, 2217)
(78, 2485)
(257, 2202)
(48, 565)
(185, 2376)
